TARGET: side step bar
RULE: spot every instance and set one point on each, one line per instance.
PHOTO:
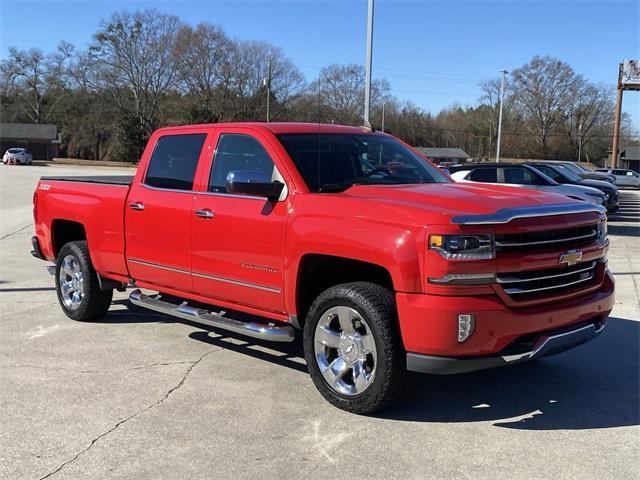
(262, 331)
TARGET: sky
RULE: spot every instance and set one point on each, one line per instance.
(434, 53)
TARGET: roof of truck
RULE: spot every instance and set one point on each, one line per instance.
(283, 127)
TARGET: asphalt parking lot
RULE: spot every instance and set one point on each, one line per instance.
(140, 395)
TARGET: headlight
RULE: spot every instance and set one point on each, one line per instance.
(602, 231)
(463, 247)
(597, 199)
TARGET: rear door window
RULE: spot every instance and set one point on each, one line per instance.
(518, 176)
(174, 161)
(487, 175)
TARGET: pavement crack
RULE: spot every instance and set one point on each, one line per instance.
(134, 415)
(115, 370)
(7, 235)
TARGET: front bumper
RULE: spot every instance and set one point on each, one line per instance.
(545, 345)
(429, 325)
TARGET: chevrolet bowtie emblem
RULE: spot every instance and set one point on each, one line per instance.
(571, 257)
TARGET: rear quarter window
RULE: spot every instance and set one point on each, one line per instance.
(174, 161)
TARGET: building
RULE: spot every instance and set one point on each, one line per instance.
(40, 139)
(442, 155)
(630, 157)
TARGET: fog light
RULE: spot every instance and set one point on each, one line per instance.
(466, 326)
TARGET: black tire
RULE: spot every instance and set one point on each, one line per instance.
(94, 302)
(376, 305)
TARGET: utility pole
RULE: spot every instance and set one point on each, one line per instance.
(580, 141)
(504, 73)
(382, 126)
(616, 121)
(268, 84)
(368, 64)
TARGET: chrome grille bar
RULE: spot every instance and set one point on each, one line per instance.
(514, 279)
(516, 291)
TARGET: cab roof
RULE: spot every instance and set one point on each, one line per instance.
(282, 127)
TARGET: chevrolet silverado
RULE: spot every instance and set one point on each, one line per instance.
(342, 235)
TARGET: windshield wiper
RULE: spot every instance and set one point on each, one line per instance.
(336, 187)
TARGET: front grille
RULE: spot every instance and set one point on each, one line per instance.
(549, 281)
(540, 240)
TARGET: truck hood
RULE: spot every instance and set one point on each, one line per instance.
(446, 200)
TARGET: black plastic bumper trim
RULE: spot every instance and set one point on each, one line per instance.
(547, 344)
(36, 252)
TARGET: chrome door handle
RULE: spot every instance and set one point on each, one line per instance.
(205, 213)
(136, 206)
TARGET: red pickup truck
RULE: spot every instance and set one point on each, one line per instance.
(345, 234)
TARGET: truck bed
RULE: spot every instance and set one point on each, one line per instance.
(104, 179)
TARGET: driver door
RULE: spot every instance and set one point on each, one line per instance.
(238, 240)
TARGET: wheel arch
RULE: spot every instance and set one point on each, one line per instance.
(64, 231)
(316, 272)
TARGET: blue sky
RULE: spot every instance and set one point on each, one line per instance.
(434, 53)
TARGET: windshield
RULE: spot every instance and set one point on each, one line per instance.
(331, 162)
(569, 167)
(569, 174)
(15, 150)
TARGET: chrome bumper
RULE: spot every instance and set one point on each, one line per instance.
(545, 345)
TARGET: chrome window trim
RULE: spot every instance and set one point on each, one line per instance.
(232, 281)
(504, 280)
(505, 215)
(233, 195)
(162, 189)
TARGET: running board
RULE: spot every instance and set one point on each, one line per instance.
(262, 331)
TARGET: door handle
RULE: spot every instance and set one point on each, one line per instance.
(136, 206)
(205, 213)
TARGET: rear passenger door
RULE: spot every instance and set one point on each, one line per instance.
(158, 212)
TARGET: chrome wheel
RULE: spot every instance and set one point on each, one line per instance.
(345, 350)
(71, 282)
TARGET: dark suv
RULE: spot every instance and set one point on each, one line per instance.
(565, 176)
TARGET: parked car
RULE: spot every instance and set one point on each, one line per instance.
(565, 176)
(343, 236)
(15, 156)
(525, 176)
(624, 177)
(582, 171)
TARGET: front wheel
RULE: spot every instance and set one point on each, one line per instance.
(77, 284)
(353, 348)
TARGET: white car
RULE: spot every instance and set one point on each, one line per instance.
(624, 177)
(15, 156)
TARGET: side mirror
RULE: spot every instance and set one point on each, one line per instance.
(253, 182)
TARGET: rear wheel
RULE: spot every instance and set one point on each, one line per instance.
(77, 284)
(353, 348)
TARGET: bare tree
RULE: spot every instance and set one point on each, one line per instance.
(341, 90)
(248, 73)
(37, 82)
(542, 91)
(202, 57)
(591, 111)
(133, 56)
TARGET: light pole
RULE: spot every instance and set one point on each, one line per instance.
(268, 85)
(504, 72)
(367, 65)
(382, 126)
